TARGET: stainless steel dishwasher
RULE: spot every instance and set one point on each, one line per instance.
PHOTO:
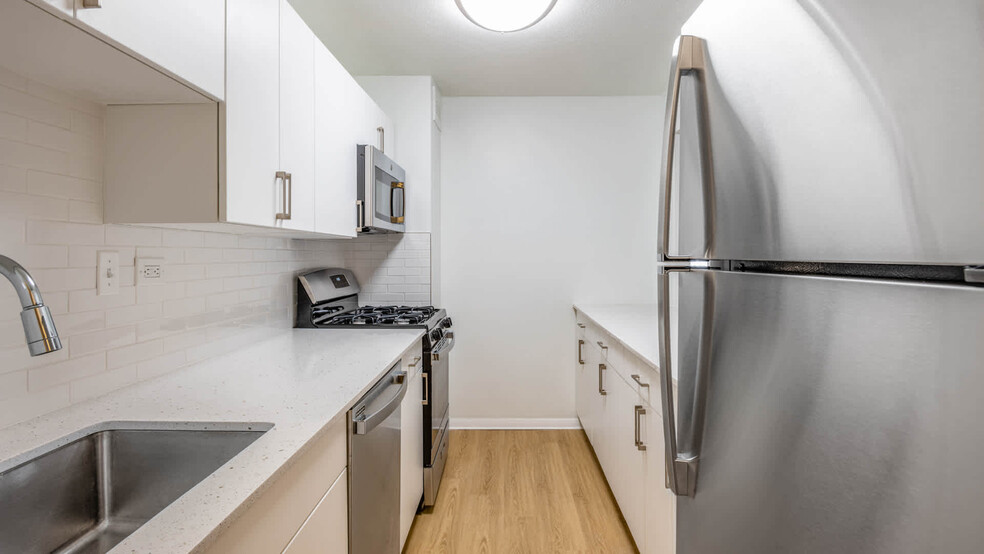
(374, 467)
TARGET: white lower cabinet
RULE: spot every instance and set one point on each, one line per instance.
(412, 442)
(311, 494)
(326, 529)
(623, 423)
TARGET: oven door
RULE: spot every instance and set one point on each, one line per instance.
(438, 393)
(383, 191)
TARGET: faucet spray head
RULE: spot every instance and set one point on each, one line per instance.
(39, 329)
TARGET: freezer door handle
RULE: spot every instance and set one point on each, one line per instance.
(688, 58)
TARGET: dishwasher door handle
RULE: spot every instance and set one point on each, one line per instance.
(368, 423)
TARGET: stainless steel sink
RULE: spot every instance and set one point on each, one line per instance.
(90, 494)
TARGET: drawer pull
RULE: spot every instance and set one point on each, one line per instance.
(581, 325)
(580, 356)
(639, 411)
(601, 379)
(641, 384)
(602, 345)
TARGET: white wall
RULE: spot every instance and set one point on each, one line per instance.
(221, 290)
(545, 202)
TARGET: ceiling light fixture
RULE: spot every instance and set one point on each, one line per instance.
(505, 16)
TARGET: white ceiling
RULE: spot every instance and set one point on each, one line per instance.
(583, 47)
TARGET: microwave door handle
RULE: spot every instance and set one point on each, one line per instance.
(394, 187)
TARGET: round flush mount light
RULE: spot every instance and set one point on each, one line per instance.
(505, 16)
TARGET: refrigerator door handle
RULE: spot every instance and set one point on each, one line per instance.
(688, 57)
(681, 472)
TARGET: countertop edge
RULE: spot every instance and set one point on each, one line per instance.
(651, 363)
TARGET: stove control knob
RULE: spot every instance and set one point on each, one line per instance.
(436, 335)
(446, 323)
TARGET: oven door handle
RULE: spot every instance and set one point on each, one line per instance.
(443, 347)
(368, 423)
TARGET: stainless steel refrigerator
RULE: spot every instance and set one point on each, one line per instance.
(821, 305)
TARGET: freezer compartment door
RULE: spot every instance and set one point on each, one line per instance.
(833, 130)
(839, 415)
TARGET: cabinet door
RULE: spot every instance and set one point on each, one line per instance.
(252, 113)
(296, 119)
(412, 448)
(593, 400)
(326, 529)
(660, 502)
(335, 162)
(632, 461)
(185, 37)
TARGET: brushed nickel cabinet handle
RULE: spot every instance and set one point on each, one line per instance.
(581, 325)
(641, 384)
(90, 4)
(285, 182)
(580, 355)
(602, 345)
(426, 399)
(601, 379)
(639, 411)
(416, 359)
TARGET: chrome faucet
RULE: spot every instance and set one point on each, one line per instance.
(39, 328)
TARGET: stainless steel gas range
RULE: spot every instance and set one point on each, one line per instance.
(329, 299)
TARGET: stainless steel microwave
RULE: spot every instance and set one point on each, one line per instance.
(381, 201)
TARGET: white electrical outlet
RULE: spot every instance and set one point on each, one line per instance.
(107, 272)
(150, 271)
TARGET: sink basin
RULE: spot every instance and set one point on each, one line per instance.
(90, 494)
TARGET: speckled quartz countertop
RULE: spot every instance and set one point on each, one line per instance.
(300, 380)
(635, 326)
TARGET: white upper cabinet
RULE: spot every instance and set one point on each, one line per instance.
(66, 7)
(184, 37)
(278, 154)
(297, 120)
(335, 144)
(252, 113)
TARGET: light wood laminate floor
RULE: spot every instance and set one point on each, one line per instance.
(517, 491)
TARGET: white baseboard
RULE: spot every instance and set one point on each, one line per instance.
(514, 423)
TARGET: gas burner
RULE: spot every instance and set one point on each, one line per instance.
(383, 316)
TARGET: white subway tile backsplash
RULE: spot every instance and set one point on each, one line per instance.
(220, 291)
(12, 126)
(21, 408)
(34, 108)
(86, 300)
(84, 212)
(58, 232)
(63, 186)
(38, 207)
(101, 383)
(126, 355)
(104, 339)
(183, 239)
(120, 235)
(63, 372)
(13, 179)
(132, 314)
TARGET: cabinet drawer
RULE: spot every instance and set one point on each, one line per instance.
(326, 529)
(272, 521)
